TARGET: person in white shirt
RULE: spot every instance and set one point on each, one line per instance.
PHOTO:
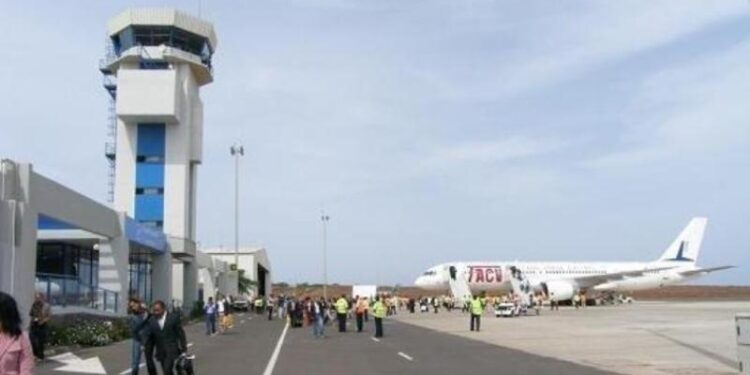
(221, 308)
(210, 309)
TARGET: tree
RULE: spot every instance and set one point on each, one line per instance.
(245, 284)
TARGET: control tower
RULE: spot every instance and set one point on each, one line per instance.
(158, 61)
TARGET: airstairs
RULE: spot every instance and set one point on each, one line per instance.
(459, 283)
(520, 284)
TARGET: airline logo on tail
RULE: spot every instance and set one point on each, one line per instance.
(686, 247)
(680, 257)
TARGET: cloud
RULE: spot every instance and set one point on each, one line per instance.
(561, 43)
(693, 111)
(498, 151)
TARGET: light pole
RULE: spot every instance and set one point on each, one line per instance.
(237, 151)
(325, 218)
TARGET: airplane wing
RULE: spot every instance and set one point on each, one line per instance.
(589, 281)
(703, 271)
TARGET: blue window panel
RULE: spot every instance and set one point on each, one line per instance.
(151, 238)
(149, 175)
(149, 207)
(46, 222)
(151, 139)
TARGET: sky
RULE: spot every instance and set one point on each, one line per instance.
(429, 131)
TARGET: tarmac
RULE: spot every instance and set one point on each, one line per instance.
(642, 338)
(258, 346)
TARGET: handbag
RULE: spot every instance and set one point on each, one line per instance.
(183, 365)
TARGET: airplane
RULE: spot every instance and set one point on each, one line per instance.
(560, 281)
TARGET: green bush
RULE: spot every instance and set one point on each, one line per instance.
(87, 332)
(197, 311)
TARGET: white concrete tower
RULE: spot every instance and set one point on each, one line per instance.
(160, 59)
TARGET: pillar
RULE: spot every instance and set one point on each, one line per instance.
(161, 277)
(18, 226)
(114, 268)
(190, 285)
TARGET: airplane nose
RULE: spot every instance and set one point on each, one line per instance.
(419, 281)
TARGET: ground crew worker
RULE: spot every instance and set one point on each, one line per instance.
(342, 306)
(378, 312)
(476, 309)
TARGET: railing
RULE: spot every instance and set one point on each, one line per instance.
(69, 291)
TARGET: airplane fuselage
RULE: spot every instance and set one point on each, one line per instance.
(495, 276)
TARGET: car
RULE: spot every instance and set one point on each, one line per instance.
(506, 310)
(241, 305)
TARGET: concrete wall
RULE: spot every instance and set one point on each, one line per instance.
(23, 196)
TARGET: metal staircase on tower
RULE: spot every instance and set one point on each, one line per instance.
(109, 82)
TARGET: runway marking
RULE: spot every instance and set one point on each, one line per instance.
(242, 321)
(143, 364)
(405, 356)
(706, 353)
(375, 339)
(129, 370)
(276, 351)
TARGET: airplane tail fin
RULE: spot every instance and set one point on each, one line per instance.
(687, 245)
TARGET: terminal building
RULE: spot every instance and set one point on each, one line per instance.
(253, 261)
(87, 257)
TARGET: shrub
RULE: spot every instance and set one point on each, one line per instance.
(197, 311)
(87, 331)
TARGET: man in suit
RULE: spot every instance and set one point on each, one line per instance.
(166, 336)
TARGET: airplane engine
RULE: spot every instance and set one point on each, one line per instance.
(559, 290)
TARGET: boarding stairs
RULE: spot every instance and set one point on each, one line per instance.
(459, 284)
(520, 284)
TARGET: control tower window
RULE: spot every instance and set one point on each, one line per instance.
(143, 35)
(152, 35)
(153, 64)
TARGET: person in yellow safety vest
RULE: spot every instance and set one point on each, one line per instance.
(378, 312)
(476, 308)
(342, 306)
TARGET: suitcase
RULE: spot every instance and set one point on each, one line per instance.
(183, 365)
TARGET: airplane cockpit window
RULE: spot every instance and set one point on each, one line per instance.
(429, 273)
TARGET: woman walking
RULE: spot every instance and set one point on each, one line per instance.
(16, 357)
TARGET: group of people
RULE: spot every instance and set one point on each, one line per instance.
(360, 307)
(218, 314)
(318, 312)
(156, 334)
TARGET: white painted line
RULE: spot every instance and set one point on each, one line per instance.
(375, 339)
(405, 356)
(276, 351)
(129, 370)
(242, 321)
